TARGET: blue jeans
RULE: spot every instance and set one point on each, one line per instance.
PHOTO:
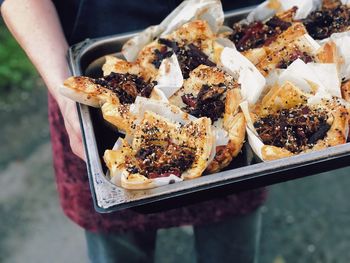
(233, 240)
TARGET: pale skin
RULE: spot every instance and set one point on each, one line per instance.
(36, 27)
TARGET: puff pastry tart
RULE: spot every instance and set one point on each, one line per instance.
(210, 92)
(279, 41)
(260, 34)
(193, 44)
(333, 17)
(294, 43)
(113, 93)
(161, 152)
(285, 124)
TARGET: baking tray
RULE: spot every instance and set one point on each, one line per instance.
(245, 172)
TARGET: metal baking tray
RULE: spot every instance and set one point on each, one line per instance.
(245, 172)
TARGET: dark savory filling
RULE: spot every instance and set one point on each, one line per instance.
(189, 56)
(208, 103)
(126, 86)
(257, 34)
(323, 23)
(295, 129)
(162, 159)
(297, 54)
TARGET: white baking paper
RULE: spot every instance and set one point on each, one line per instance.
(253, 138)
(342, 41)
(251, 80)
(306, 76)
(170, 77)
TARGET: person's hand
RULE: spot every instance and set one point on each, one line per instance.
(71, 121)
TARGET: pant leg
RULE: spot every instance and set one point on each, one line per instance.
(235, 240)
(113, 248)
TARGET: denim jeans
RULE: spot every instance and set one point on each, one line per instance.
(233, 240)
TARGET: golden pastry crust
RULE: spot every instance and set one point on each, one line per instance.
(203, 75)
(288, 15)
(290, 44)
(225, 154)
(146, 57)
(280, 97)
(274, 5)
(288, 97)
(84, 90)
(328, 54)
(345, 90)
(330, 4)
(292, 41)
(196, 135)
(255, 55)
(262, 55)
(271, 153)
(337, 134)
(117, 65)
(195, 32)
(232, 121)
(119, 116)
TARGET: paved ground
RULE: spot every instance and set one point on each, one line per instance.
(306, 220)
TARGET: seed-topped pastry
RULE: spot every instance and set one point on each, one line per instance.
(257, 34)
(161, 152)
(193, 44)
(333, 17)
(277, 43)
(190, 56)
(210, 92)
(278, 36)
(114, 93)
(292, 44)
(296, 129)
(289, 122)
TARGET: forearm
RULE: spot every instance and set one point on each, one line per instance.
(36, 27)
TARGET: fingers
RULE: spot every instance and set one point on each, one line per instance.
(72, 125)
(75, 135)
(76, 145)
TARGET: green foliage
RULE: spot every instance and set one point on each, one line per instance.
(16, 71)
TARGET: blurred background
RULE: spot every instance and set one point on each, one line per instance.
(306, 220)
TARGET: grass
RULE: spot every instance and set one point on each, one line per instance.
(16, 71)
(23, 102)
(18, 77)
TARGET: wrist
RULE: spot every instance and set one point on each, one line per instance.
(53, 83)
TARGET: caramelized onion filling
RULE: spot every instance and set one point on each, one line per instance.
(323, 23)
(208, 103)
(189, 56)
(126, 86)
(162, 158)
(257, 34)
(293, 129)
(296, 54)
